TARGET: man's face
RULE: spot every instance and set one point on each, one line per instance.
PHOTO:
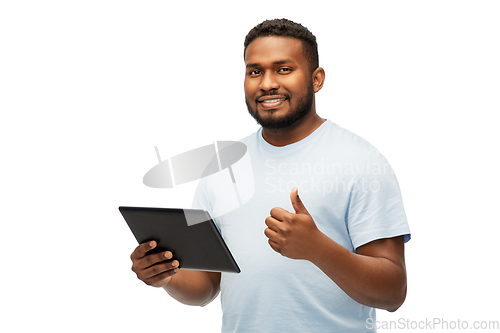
(278, 82)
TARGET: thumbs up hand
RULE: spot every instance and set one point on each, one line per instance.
(293, 235)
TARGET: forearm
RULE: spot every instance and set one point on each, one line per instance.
(196, 288)
(373, 281)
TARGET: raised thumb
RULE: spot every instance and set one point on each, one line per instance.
(297, 203)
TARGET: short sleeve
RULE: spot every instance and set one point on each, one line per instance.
(375, 209)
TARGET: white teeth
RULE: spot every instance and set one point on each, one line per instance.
(273, 100)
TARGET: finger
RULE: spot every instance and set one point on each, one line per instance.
(158, 269)
(272, 223)
(151, 260)
(279, 213)
(275, 246)
(271, 234)
(141, 250)
(297, 204)
(161, 279)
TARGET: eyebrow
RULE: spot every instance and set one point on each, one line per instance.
(279, 62)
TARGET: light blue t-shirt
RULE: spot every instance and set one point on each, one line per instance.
(353, 196)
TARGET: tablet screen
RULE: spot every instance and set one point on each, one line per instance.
(190, 234)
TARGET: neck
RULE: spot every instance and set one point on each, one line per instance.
(285, 136)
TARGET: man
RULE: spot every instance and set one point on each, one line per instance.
(318, 262)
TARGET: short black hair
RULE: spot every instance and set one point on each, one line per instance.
(286, 28)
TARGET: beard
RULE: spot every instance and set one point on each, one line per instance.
(292, 118)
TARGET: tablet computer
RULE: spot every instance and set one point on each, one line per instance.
(197, 246)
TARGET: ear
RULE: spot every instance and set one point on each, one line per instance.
(318, 77)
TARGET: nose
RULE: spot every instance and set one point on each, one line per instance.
(269, 82)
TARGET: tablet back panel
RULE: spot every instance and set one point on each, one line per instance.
(199, 246)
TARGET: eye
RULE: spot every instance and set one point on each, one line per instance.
(285, 70)
(254, 73)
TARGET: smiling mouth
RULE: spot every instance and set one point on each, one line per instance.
(271, 102)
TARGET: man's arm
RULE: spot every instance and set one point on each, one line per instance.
(160, 270)
(374, 276)
(194, 287)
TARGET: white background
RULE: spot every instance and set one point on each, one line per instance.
(88, 88)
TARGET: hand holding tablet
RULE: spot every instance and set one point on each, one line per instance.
(197, 246)
(155, 270)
